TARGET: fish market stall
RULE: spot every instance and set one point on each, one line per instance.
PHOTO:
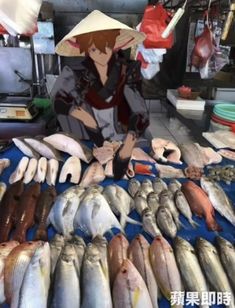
(127, 219)
(97, 212)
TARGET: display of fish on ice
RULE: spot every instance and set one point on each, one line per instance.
(94, 215)
(69, 144)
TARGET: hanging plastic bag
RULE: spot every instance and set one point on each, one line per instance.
(153, 24)
(19, 17)
(148, 70)
(151, 55)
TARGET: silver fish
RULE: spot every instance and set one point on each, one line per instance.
(227, 257)
(56, 246)
(129, 289)
(184, 208)
(149, 223)
(147, 186)
(98, 293)
(174, 185)
(140, 203)
(66, 293)
(189, 267)
(94, 215)
(64, 209)
(212, 267)
(133, 186)
(138, 253)
(35, 286)
(102, 245)
(219, 199)
(166, 199)
(25, 148)
(79, 246)
(43, 148)
(71, 145)
(153, 202)
(165, 222)
(120, 202)
(159, 185)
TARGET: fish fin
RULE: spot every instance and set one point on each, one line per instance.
(132, 221)
(95, 210)
(194, 224)
(67, 207)
(41, 234)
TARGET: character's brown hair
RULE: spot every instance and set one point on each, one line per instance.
(101, 39)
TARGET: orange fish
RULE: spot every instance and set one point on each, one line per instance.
(200, 204)
(143, 169)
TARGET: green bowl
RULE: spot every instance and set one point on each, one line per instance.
(226, 111)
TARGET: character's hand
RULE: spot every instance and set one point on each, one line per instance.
(85, 117)
(138, 123)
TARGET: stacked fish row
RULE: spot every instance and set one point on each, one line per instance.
(20, 208)
(159, 205)
(71, 274)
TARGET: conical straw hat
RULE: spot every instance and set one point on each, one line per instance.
(97, 21)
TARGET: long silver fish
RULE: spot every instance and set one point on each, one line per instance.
(64, 209)
(190, 269)
(164, 267)
(66, 293)
(43, 148)
(79, 246)
(138, 253)
(166, 199)
(184, 208)
(102, 245)
(227, 257)
(153, 202)
(133, 186)
(15, 267)
(159, 185)
(147, 186)
(174, 185)
(219, 199)
(98, 293)
(129, 289)
(165, 222)
(149, 223)
(35, 285)
(140, 203)
(120, 202)
(94, 215)
(212, 267)
(56, 246)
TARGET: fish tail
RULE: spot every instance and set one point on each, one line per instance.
(193, 223)
(212, 224)
(19, 236)
(41, 234)
(133, 221)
